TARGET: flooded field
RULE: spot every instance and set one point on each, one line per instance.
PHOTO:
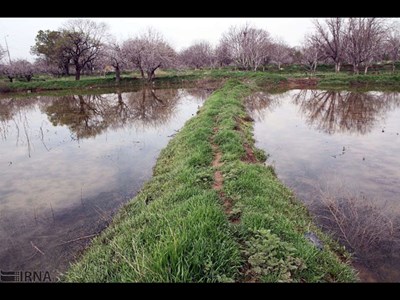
(339, 152)
(68, 163)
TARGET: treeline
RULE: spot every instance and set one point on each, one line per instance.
(84, 46)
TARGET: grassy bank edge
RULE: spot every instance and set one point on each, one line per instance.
(288, 80)
(176, 230)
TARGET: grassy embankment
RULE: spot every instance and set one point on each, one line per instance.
(291, 79)
(180, 228)
(48, 83)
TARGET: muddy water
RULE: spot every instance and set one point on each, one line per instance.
(67, 163)
(341, 148)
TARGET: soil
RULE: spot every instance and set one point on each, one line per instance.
(219, 183)
(246, 275)
(301, 83)
(250, 157)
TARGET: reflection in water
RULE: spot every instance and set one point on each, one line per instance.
(200, 93)
(89, 115)
(330, 111)
(315, 137)
(343, 111)
(67, 163)
(11, 107)
(259, 102)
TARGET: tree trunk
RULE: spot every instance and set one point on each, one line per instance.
(81, 104)
(337, 67)
(65, 69)
(117, 75)
(142, 106)
(314, 68)
(151, 73)
(355, 69)
(142, 73)
(77, 73)
(150, 76)
(366, 70)
(28, 78)
(393, 67)
(10, 78)
(120, 101)
(279, 66)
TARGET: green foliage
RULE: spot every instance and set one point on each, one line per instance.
(48, 43)
(51, 46)
(260, 155)
(271, 258)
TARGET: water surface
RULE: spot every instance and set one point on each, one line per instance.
(339, 143)
(68, 163)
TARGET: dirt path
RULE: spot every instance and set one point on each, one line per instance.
(218, 178)
(245, 275)
(219, 182)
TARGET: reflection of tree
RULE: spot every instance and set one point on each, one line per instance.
(150, 107)
(89, 115)
(6, 109)
(330, 111)
(200, 94)
(10, 107)
(83, 114)
(333, 111)
(14, 109)
(259, 102)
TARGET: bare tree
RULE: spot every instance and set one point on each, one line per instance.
(364, 40)
(148, 52)
(9, 71)
(198, 55)
(23, 68)
(311, 54)
(113, 55)
(133, 53)
(392, 44)
(222, 54)
(248, 46)
(43, 65)
(83, 40)
(280, 53)
(18, 68)
(330, 36)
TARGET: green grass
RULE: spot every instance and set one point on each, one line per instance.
(180, 235)
(176, 230)
(59, 84)
(268, 211)
(326, 79)
(345, 80)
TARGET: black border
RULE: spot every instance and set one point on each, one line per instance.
(244, 9)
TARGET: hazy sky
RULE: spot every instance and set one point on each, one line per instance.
(180, 32)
